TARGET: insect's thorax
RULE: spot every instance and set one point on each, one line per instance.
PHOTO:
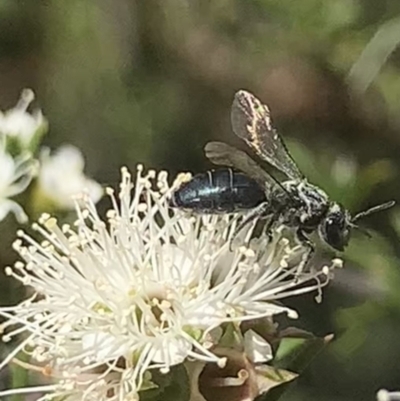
(303, 204)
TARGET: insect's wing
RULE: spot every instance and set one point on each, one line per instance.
(224, 155)
(251, 121)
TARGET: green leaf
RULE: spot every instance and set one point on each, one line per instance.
(302, 353)
(287, 347)
(291, 338)
(301, 356)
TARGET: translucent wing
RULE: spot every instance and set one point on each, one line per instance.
(251, 121)
(224, 155)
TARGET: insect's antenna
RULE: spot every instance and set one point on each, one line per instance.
(372, 210)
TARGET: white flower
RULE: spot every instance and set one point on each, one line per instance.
(19, 124)
(61, 177)
(142, 290)
(15, 175)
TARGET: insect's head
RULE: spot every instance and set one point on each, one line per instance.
(335, 228)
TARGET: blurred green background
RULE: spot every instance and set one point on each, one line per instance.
(151, 81)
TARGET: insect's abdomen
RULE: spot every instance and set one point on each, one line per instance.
(220, 191)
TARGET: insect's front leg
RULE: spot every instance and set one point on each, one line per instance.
(260, 211)
(307, 243)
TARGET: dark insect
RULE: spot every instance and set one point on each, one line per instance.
(293, 202)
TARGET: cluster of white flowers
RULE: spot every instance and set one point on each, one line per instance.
(20, 125)
(59, 177)
(145, 290)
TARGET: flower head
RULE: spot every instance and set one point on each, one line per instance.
(145, 289)
(61, 177)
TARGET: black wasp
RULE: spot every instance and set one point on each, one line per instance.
(293, 202)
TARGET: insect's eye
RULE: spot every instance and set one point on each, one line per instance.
(335, 231)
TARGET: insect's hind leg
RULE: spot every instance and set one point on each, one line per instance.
(259, 211)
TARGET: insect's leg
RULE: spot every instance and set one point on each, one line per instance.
(259, 211)
(306, 242)
(268, 227)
